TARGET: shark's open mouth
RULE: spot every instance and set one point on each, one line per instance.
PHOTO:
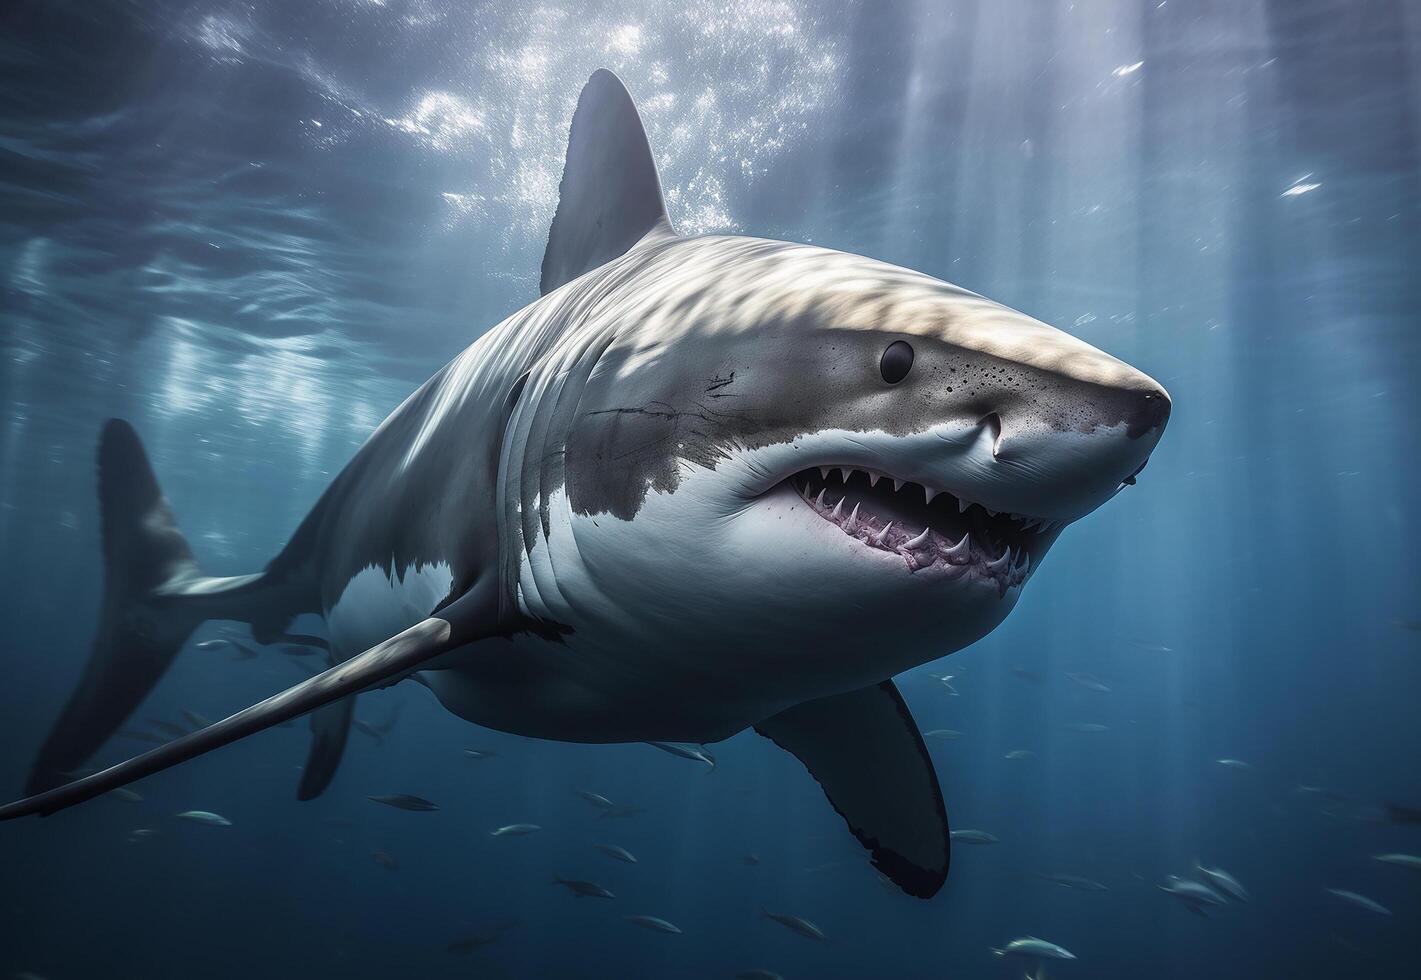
(927, 527)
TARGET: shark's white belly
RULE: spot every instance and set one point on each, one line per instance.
(375, 606)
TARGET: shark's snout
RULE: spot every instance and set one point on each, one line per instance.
(1151, 412)
(1063, 454)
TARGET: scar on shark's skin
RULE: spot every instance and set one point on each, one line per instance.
(720, 421)
(562, 537)
(717, 383)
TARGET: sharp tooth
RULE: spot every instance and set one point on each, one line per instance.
(882, 536)
(845, 472)
(838, 510)
(819, 500)
(919, 541)
(853, 518)
(999, 565)
(963, 504)
(931, 493)
(824, 472)
(961, 550)
(873, 478)
(897, 484)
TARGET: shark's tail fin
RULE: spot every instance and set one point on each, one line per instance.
(154, 597)
(135, 641)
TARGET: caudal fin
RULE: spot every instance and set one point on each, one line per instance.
(138, 633)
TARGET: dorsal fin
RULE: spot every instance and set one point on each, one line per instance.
(610, 196)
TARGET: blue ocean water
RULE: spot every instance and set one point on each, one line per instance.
(252, 228)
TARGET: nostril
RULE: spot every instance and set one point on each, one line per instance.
(1151, 412)
(992, 422)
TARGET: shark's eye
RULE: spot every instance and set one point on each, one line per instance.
(897, 362)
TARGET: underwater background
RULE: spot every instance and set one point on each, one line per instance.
(252, 228)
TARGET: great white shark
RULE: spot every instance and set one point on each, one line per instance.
(703, 484)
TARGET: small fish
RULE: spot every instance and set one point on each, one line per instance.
(596, 799)
(1400, 860)
(388, 725)
(464, 947)
(583, 889)
(479, 753)
(304, 640)
(1089, 682)
(365, 728)
(618, 853)
(125, 794)
(196, 720)
(946, 734)
(1021, 754)
(1076, 882)
(385, 859)
(1086, 726)
(1223, 882)
(1397, 813)
(1322, 792)
(1036, 949)
(1361, 901)
(946, 681)
(516, 830)
(243, 651)
(167, 727)
(973, 837)
(620, 810)
(1025, 674)
(750, 859)
(794, 923)
(403, 801)
(1193, 894)
(205, 817)
(142, 832)
(758, 974)
(695, 753)
(653, 923)
(1233, 763)
(1152, 646)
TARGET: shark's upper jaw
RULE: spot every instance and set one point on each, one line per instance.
(927, 527)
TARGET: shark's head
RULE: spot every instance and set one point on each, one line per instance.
(826, 464)
(845, 449)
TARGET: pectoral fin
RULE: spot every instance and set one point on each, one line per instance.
(469, 618)
(866, 752)
(330, 728)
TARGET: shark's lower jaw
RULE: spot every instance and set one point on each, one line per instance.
(927, 527)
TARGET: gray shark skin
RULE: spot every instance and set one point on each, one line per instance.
(702, 484)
